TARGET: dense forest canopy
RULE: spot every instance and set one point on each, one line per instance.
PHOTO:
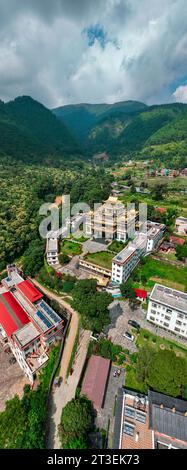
(129, 129)
(31, 132)
(23, 188)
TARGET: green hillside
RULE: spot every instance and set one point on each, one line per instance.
(129, 128)
(81, 118)
(31, 132)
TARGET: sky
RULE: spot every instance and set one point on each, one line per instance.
(72, 51)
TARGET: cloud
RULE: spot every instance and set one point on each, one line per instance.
(67, 51)
(180, 94)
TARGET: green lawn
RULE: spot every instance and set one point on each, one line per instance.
(70, 248)
(102, 258)
(168, 274)
(117, 246)
(146, 338)
(80, 239)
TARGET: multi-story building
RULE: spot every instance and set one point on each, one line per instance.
(111, 221)
(146, 240)
(124, 263)
(168, 309)
(28, 323)
(181, 225)
(52, 250)
(155, 421)
(154, 232)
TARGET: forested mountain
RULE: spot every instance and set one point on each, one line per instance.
(31, 132)
(129, 128)
(81, 118)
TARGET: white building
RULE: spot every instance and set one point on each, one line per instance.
(168, 309)
(181, 225)
(155, 232)
(146, 240)
(124, 263)
(52, 251)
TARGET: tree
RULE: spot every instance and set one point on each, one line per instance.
(33, 258)
(92, 305)
(158, 191)
(164, 378)
(63, 258)
(181, 252)
(13, 425)
(128, 291)
(77, 420)
(154, 369)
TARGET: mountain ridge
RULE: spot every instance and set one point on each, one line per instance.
(30, 131)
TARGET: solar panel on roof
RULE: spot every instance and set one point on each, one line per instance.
(44, 319)
(50, 312)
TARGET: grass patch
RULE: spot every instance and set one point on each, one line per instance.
(102, 258)
(71, 248)
(170, 275)
(117, 246)
(145, 337)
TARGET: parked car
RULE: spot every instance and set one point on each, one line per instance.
(128, 336)
(134, 324)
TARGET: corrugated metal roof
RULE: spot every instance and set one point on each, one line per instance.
(12, 316)
(167, 415)
(30, 291)
(95, 380)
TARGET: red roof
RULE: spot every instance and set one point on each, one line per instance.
(177, 240)
(95, 380)
(12, 316)
(141, 293)
(30, 291)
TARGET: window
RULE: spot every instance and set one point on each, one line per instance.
(168, 310)
(153, 311)
(177, 329)
(167, 318)
(166, 324)
(128, 428)
(152, 318)
(140, 416)
(129, 411)
(180, 315)
(178, 322)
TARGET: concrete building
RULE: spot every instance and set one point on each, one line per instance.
(28, 323)
(146, 240)
(52, 251)
(153, 421)
(155, 232)
(111, 221)
(168, 309)
(181, 225)
(124, 263)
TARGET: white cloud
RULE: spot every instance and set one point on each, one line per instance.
(180, 94)
(44, 53)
